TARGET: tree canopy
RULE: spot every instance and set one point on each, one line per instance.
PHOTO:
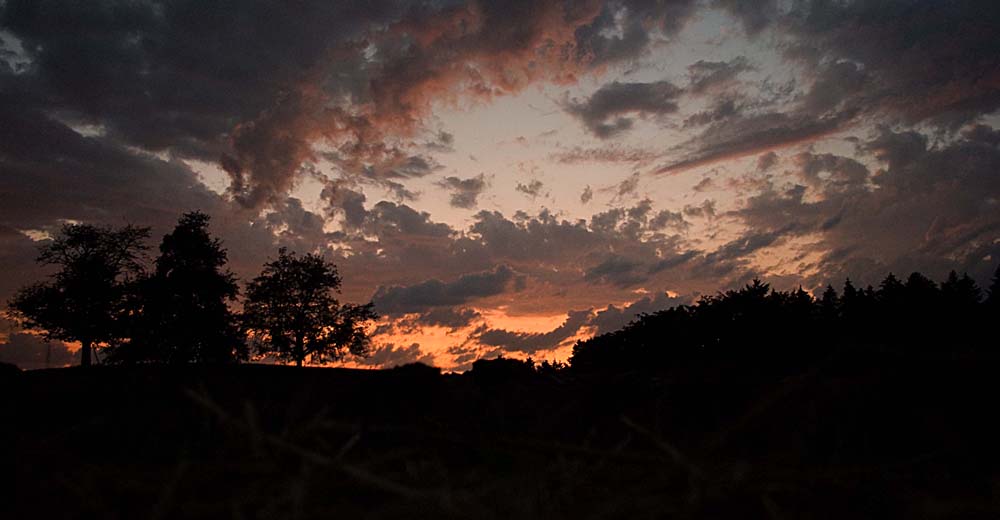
(181, 312)
(85, 299)
(756, 327)
(291, 312)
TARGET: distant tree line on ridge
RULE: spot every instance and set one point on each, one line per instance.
(181, 311)
(757, 326)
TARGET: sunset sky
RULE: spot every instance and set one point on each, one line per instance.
(504, 176)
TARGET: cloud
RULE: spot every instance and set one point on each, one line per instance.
(603, 113)
(433, 293)
(767, 161)
(261, 89)
(586, 195)
(391, 355)
(464, 192)
(667, 219)
(624, 29)
(616, 270)
(931, 208)
(613, 317)
(748, 135)
(606, 154)
(531, 189)
(532, 342)
(713, 76)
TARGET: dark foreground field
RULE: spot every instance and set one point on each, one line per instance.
(870, 438)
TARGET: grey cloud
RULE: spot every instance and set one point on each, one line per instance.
(532, 189)
(666, 219)
(464, 192)
(617, 270)
(767, 161)
(830, 172)
(612, 317)
(533, 342)
(621, 32)
(709, 76)
(341, 198)
(744, 135)
(432, 293)
(604, 112)
(704, 210)
(930, 209)
(391, 355)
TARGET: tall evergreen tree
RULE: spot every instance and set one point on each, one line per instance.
(829, 303)
(993, 292)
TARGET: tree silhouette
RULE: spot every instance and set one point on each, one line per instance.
(993, 293)
(291, 312)
(757, 329)
(182, 312)
(85, 299)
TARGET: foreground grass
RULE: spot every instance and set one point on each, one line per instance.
(884, 438)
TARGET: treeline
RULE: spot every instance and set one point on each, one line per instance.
(758, 327)
(183, 308)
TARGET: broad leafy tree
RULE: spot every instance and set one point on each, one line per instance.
(182, 312)
(291, 312)
(85, 299)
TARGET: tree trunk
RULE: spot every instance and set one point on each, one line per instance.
(300, 350)
(85, 353)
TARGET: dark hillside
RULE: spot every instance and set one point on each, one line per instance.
(894, 436)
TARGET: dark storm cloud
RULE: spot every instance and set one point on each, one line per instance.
(432, 293)
(464, 192)
(604, 113)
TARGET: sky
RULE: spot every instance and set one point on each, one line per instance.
(507, 177)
